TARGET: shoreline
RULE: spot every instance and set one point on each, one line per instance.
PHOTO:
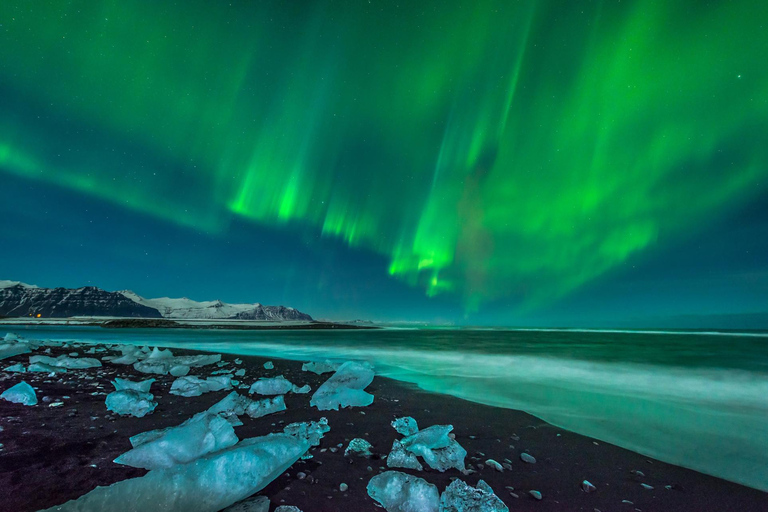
(41, 466)
(166, 323)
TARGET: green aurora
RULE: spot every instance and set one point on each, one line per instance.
(489, 149)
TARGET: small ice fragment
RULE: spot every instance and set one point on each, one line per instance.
(287, 508)
(211, 483)
(160, 354)
(343, 487)
(646, 486)
(230, 407)
(303, 390)
(273, 386)
(240, 373)
(320, 368)
(18, 368)
(163, 365)
(345, 388)
(405, 426)
(254, 504)
(359, 447)
(238, 361)
(143, 386)
(269, 366)
(460, 496)
(21, 393)
(400, 492)
(13, 349)
(202, 434)
(195, 386)
(535, 494)
(259, 408)
(530, 459)
(129, 402)
(587, 486)
(179, 370)
(313, 431)
(72, 363)
(399, 458)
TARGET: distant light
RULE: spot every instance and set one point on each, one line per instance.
(39, 315)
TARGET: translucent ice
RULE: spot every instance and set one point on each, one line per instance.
(269, 366)
(399, 458)
(303, 390)
(320, 368)
(359, 447)
(436, 447)
(399, 492)
(195, 386)
(275, 386)
(43, 367)
(345, 388)
(163, 365)
(312, 431)
(287, 508)
(21, 393)
(179, 370)
(230, 407)
(13, 349)
(72, 363)
(202, 434)
(129, 402)
(209, 484)
(405, 426)
(259, 408)
(461, 497)
(142, 386)
(18, 368)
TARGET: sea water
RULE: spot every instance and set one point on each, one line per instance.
(698, 400)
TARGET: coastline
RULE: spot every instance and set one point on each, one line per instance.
(41, 466)
(165, 323)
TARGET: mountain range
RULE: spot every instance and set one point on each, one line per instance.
(19, 299)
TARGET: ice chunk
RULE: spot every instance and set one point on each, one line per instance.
(399, 492)
(21, 393)
(461, 497)
(269, 366)
(202, 434)
(230, 407)
(405, 426)
(345, 388)
(13, 349)
(129, 402)
(179, 370)
(163, 365)
(313, 431)
(42, 367)
(124, 359)
(17, 368)
(287, 508)
(160, 354)
(255, 504)
(259, 408)
(72, 363)
(320, 368)
(436, 447)
(240, 373)
(142, 386)
(209, 484)
(195, 386)
(303, 390)
(275, 386)
(399, 458)
(359, 447)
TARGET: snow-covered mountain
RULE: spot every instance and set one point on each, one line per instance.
(20, 299)
(185, 308)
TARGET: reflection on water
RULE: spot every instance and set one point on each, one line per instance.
(697, 400)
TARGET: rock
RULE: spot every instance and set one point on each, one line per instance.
(399, 492)
(536, 495)
(495, 465)
(343, 487)
(646, 486)
(530, 459)
(21, 393)
(287, 508)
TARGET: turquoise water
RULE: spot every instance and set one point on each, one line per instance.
(692, 399)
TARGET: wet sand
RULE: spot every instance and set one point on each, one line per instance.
(53, 454)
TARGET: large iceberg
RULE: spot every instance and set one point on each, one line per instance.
(461, 497)
(202, 434)
(345, 388)
(273, 386)
(195, 386)
(21, 393)
(399, 492)
(129, 402)
(72, 363)
(209, 484)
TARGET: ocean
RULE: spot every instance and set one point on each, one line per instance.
(698, 400)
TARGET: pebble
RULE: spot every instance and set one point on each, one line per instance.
(301, 475)
(646, 486)
(495, 465)
(530, 459)
(535, 494)
(343, 487)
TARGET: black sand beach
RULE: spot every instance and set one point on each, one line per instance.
(54, 454)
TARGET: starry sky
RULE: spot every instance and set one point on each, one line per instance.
(478, 162)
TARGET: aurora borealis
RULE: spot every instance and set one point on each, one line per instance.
(480, 152)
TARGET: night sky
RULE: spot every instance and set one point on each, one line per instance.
(478, 162)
